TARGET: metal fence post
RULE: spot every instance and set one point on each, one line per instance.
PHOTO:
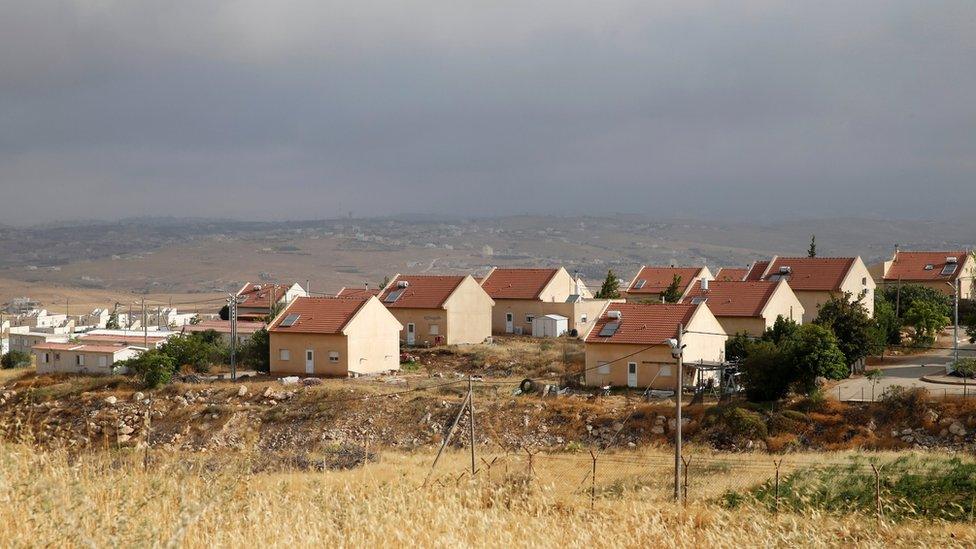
(877, 492)
(593, 482)
(776, 493)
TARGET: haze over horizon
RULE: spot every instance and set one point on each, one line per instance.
(304, 109)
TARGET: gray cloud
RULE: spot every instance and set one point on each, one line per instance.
(304, 108)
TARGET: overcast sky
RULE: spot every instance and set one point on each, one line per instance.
(285, 109)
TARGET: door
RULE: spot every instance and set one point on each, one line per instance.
(509, 323)
(632, 374)
(309, 361)
(411, 334)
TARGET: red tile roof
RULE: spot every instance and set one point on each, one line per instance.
(318, 315)
(731, 273)
(259, 295)
(422, 291)
(734, 298)
(121, 339)
(756, 271)
(517, 283)
(910, 266)
(223, 327)
(358, 292)
(643, 323)
(812, 273)
(657, 279)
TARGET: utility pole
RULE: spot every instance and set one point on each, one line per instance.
(232, 315)
(677, 351)
(955, 327)
(145, 326)
(471, 422)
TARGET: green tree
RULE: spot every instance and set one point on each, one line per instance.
(903, 296)
(851, 323)
(737, 347)
(256, 351)
(813, 352)
(926, 320)
(152, 367)
(812, 250)
(113, 319)
(766, 375)
(782, 329)
(224, 312)
(610, 288)
(672, 293)
(886, 327)
(15, 359)
(275, 311)
(198, 351)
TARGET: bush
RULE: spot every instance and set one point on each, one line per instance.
(15, 359)
(737, 422)
(766, 376)
(813, 352)
(965, 367)
(851, 324)
(154, 368)
(256, 351)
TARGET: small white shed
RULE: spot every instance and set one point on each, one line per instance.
(549, 326)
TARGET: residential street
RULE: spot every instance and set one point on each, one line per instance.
(907, 372)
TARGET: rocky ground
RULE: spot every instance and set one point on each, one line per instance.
(268, 416)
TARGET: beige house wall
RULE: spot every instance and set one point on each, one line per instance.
(320, 344)
(67, 361)
(468, 314)
(784, 302)
(858, 281)
(425, 322)
(752, 325)
(373, 342)
(705, 337)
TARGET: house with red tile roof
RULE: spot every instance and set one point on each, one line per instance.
(732, 273)
(629, 346)
(650, 282)
(334, 336)
(256, 301)
(746, 307)
(943, 271)
(439, 309)
(815, 279)
(81, 358)
(365, 291)
(522, 294)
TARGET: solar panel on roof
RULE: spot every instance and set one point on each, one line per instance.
(609, 329)
(640, 284)
(949, 268)
(698, 300)
(393, 296)
(290, 320)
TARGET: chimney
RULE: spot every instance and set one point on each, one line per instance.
(366, 284)
(704, 284)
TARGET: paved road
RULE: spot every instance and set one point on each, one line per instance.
(906, 375)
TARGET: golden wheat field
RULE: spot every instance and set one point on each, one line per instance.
(53, 499)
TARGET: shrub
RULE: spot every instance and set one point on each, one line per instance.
(766, 377)
(738, 422)
(900, 403)
(154, 368)
(15, 359)
(965, 367)
(851, 324)
(813, 353)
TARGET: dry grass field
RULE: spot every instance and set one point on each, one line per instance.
(109, 499)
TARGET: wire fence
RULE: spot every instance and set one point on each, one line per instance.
(886, 488)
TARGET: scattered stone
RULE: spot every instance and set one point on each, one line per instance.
(242, 391)
(137, 396)
(309, 381)
(126, 430)
(111, 400)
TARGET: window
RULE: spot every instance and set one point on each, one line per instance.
(47, 358)
(57, 356)
(103, 361)
(664, 371)
(333, 356)
(631, 367)
(284, 354)
(529, 317)
(602, 368)
(435, 329)
(864, 281)
(929, 267)
(583, 318)
(80, 360)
